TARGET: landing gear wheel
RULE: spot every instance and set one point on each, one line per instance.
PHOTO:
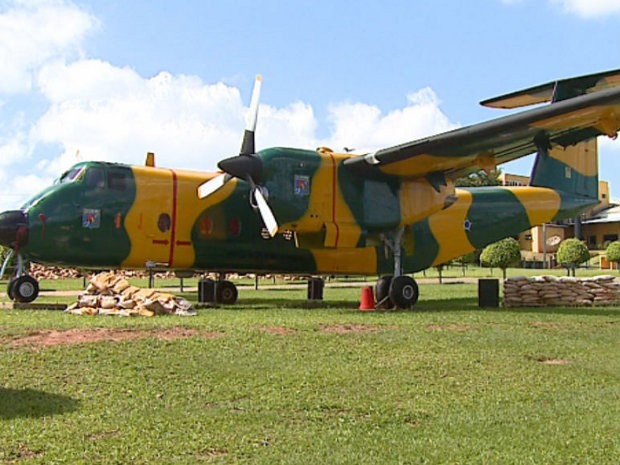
(25, 289)
(382, 292)
(404, 291)
(226, 292)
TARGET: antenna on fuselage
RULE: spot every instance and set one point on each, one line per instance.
(150, 159)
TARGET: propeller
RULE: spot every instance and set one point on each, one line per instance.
(247, 166)
(212, 185)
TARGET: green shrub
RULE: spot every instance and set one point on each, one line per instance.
(571, 253)
(613, 252)
(501, 254)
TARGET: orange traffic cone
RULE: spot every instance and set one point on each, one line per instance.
(367, 302)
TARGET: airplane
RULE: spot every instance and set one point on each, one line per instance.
(388, 213)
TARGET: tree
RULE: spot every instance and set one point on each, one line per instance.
(571, 253)
(479, 178)
(613, 252)
(501, 254)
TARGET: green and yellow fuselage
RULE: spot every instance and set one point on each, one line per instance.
(331, 220)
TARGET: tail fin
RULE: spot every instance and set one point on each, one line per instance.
(571, 170)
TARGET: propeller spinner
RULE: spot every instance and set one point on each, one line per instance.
(247, 166)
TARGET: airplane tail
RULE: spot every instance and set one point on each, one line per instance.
(571, 166)
(571, 170)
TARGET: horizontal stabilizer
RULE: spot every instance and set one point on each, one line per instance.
(556, 90)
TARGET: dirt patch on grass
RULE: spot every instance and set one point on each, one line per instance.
(349, 328)
(550, 360)
(49, 338)
(279, 330)
(182, 333)
(22, 453)
(459, 327)
(555, 361)
(211, 454)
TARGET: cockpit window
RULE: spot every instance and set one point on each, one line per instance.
(95, 177)
(117, 180)
(71, 175)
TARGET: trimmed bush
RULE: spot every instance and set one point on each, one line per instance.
(571, 253)
(613, 252)
(501, 254)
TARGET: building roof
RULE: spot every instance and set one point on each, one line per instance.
(609, 215)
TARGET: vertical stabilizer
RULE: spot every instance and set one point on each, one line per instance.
(571, 170)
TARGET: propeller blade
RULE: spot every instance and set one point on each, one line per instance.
(212, 185)
(247, 146)
(270, 221)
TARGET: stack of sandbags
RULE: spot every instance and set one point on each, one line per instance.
(541, 291)
(40, 272)
(109, 294)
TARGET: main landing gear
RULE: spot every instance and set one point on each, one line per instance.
(226, 292)
(218, 291)
(396, 290)
(21, 287)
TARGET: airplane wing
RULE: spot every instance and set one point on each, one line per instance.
(556, 90)
(485, 145)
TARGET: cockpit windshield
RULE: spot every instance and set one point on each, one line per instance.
(71, 175)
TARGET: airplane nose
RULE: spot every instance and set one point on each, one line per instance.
(13, 229)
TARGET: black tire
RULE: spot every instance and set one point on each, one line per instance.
(226, 292)
(25, 289)
(404, 292)
(382, 292)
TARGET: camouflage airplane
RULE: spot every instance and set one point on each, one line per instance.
(317, 212)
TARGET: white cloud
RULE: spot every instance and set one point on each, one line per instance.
(110, 113)
(12, 150)
(365, 128)
(114, 114)
(33, 32)
(292, 126)
(15, 189)
(13, 139)
(590, 8)
(586, 9)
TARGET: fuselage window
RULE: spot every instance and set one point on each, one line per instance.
(95, 177)
(164, 222)
(117, 180)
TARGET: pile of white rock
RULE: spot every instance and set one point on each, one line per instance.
(109, 294)
(551, 291)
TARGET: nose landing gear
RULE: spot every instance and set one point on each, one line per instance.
(21, 287)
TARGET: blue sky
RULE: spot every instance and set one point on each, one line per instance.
(115, 79)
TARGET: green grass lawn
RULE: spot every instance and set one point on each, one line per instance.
(276, 380)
